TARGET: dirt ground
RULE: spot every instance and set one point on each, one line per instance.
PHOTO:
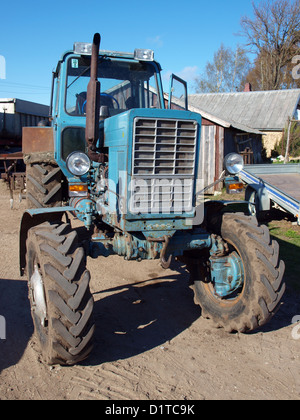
(151, 342)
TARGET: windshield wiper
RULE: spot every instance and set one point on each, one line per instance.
(81, 74)
(85, 70)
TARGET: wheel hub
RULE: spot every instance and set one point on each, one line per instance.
(227, 274)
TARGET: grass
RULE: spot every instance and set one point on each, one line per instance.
(278, 162)
(285, 233)
(293, 235)
(288, 237)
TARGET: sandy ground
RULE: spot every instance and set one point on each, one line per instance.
(151, 342)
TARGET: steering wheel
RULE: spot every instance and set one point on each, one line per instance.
(106, 95)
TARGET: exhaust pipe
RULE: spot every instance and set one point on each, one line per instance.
(93, 105)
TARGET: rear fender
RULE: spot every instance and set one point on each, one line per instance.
(35, 217)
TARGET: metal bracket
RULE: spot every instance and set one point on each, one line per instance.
(165, 239)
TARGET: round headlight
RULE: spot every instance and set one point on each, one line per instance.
(234, 163)
(78, 163)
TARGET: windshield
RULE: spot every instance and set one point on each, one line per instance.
(124, 85)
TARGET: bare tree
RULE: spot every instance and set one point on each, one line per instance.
(274, 35)
(225, 72)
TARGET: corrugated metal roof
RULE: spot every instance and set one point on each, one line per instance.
(24, 107)
(213, 118)
(32, 108)
(258, 110)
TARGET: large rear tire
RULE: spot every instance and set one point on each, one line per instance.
(259, 298)
(59, 293)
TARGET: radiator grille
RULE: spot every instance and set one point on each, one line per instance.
(158, 196)
(163, 167)
(164, 147)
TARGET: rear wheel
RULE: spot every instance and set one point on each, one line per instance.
(44, 185)
(250, 251)
(59, 293)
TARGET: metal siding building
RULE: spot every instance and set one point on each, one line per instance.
(16, 114)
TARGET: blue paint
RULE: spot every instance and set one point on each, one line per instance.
(227, 274)
(35, 212)
(136, 246)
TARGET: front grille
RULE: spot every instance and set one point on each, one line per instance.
(163, 168)
(158, 196)
(164, 147)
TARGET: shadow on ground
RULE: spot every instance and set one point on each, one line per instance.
(137, 317)
(15, 310)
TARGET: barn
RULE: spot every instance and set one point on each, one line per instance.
(266, 112)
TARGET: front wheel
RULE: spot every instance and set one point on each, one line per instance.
(44, 184)
(59, 293)
(255, 261)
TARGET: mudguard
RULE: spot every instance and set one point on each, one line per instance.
(34, 217)
(263, 199)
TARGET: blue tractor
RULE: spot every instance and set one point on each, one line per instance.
(119, 157)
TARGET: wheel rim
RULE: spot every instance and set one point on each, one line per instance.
(38, 296)
(252, 204)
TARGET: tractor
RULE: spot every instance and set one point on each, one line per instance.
(123, 160)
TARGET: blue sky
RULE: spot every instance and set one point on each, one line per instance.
(183, 33)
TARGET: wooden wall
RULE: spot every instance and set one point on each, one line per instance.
(211, 154)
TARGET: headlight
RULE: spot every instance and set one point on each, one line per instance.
(234, 163)
(78, 163)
